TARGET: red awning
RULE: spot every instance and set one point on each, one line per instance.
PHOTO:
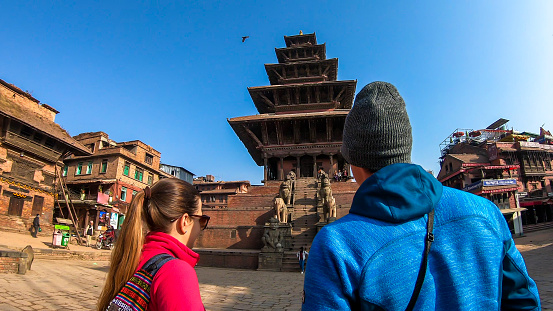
(531, 203)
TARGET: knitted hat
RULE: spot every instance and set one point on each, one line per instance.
(377, 131)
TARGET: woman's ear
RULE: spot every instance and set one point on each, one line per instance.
(182, 223)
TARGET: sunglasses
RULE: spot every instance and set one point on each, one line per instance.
(204, 220)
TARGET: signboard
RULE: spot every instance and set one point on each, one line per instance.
(473, 186)
(114, 220)
(61, 227)
(499, 182)
(522, 194)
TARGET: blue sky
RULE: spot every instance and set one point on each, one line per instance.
(171, 73)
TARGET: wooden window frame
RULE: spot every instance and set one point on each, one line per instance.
(124, 193)
(79, 168)
(126, 169)
(89, 167)
(104, 166)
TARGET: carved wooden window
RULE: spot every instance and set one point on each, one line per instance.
(64, 171)
(50, 143)
(38, 137)
(26, 131)
(149, 159)
(23, 169)
(547, 161)
(150, 179)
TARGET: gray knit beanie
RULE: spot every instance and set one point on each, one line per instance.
(377, 131)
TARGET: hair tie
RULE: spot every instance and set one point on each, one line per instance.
(147, 192)
(147, 196)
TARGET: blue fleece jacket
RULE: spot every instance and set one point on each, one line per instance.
(369, 259)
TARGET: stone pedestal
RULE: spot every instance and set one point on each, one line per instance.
(270, 259)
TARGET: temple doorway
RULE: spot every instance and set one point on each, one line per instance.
(306, 166)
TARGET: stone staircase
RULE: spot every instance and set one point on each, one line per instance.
(304, 221)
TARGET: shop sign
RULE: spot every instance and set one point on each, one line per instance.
(114, 220)
(473, 186)
(550, 194)
(499, 182)
(522, 194)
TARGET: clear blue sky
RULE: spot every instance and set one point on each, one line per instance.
(170, 74)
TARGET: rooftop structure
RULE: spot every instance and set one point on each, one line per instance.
(179, 172)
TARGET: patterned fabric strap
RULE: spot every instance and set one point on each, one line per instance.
(135, 295)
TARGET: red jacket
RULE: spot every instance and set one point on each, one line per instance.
(175, 286)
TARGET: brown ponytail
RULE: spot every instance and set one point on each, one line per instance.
(170, 198)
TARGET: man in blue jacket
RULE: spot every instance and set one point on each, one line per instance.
(372, 258)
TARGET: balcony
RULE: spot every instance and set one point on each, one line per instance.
(32, 147)
(90, 199)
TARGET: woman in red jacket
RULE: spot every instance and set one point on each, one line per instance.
(171, 209)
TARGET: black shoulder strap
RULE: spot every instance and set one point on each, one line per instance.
(155, 263)
(422, 272)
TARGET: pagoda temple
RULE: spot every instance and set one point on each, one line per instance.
(301, 114)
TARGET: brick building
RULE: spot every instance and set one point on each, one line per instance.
(511, 169)
(215, 194)
(32, 147)
(102, 184)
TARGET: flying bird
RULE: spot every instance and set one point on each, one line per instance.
(244, 38)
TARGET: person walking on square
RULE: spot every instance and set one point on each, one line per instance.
(409, 243)
(36, 226)
(172, 212)
(302, 257)
(89, 232)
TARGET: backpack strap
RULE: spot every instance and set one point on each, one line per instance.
(135, 294)
(422, 272)
(155, 263)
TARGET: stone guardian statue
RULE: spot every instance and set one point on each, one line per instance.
(272, 238)
(286, 191)
(281, 211)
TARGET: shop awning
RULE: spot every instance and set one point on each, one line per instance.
(533, 203)
(512, 210)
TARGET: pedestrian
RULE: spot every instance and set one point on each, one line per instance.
(302, 257)
(408, 242)
(171, 209)
(89, 232)
(36, 226)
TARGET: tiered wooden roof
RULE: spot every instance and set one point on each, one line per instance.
(303, 110)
